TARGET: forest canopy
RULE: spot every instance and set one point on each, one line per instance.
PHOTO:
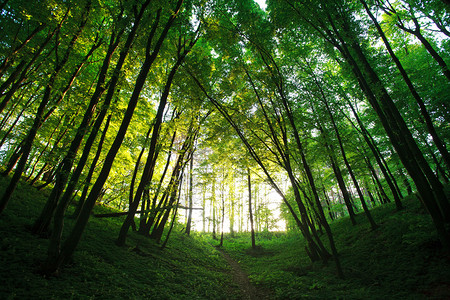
(216, 113)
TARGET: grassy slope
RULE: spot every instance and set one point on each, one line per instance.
(400, 260)
(187, 269)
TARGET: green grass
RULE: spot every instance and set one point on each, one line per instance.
(402, 259)
(187, 269)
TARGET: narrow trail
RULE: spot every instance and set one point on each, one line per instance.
(240, 278)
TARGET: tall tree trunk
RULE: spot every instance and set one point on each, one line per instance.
(175, 184)
(146, 222)
(149, 167)
(223, 215)
(400, 137)
(418, 34)
(77, 231)
(91, 171)
(250, 213)
(379, 159)
(42, 223)
(316, 250)
(189, 221)
(344, 157)
(24, 72)
(38, 158)
(17, 119)
(338, 174)
(313, 254)
(174, 217)
(213, 204)
(429, 123)
(38, 120)
(9, 59)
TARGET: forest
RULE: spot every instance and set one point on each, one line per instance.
(225, 149)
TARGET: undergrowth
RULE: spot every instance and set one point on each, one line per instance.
(187, 269)
(402, 259)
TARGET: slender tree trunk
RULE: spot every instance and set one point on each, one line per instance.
(189, 221)
(315, 250)
(75, 235)
(223, 216)
(91, 170)
(149, 167)
(250, 208)
(12, 77)
(143, 216)
(147, 221)
(10, 58)
(429, 123)
(45, 147)
(379, 159)
(42, 223)
(418, 34)
(347, 164)
(174, 217)
(401, 138)
(39, 119)
(17, 119)
(338, 174)
(15, 86)
(174, 187)
(213, 204)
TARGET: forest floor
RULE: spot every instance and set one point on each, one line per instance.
(188, 268)
(402, 259)
(241, 279)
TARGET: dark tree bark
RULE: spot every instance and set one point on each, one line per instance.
(426, 116)
(174, 215)
(76, 233)
(149, 167)
(418, 34)
(338, 174)
(10, 129)
(42, 223)
(379, 159)
(223, 216)
(91, 171)
(399, 134)
(146, 221)
(175, 183)
(37, 160)
(252, 230)
(347, 164)
(10, 58)
(12, 77)
(24, 73)
(133, 179)
(189, 221)
(38, 120)
(314, 250)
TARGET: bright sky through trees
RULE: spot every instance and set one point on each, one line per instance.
(262, 4)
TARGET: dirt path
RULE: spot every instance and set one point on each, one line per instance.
(248, 291)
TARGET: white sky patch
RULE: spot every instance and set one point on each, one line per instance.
(262, 4)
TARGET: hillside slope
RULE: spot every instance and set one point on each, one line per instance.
(402, 259)
(187, 269)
